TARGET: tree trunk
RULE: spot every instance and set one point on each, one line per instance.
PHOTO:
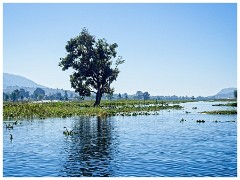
(98, 98)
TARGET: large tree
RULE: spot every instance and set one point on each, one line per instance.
(92, 62)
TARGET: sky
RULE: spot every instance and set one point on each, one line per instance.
(169, 49)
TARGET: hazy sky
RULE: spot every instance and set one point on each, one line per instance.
(169, 49)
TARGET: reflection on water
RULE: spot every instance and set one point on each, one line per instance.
(139, 146)
(90, 151)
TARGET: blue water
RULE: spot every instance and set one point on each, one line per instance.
(139, 146)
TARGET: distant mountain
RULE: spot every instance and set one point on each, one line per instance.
(225, 93)
(10, 80)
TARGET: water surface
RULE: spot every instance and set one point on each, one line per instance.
(139, 146)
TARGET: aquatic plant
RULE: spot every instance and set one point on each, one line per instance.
(67, 133)
(11, 137)
(9, 126)
(228, 104)
(200, 121)
(222, 112)
(31, 110)
(182, 120)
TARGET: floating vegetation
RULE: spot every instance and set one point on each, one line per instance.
(223, 121)
(222, 112)
(67, 109)
(200, 121)
(11, 137)
(182, 120)
(228, 104)
(216, 121)
(9, 126)
(68, 133)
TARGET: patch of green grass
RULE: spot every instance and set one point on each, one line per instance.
(223, 112)
(228, 104)
(19, 110)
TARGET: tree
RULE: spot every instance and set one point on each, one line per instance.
(39, 93)
(6, 96)
(193, 98)
(91, 61)
(146, 95)
(110, 96)
(15, 95)
(24, 93)
(119, 96)
(139, 94)
(235, 93)
(58, 96)
(65, 95)
(125, 95)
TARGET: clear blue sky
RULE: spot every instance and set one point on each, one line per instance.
(169, 49)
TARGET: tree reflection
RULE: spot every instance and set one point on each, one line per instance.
(91, 151)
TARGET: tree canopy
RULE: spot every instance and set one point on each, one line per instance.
(39, 93)
(92, 62)
(146, 95)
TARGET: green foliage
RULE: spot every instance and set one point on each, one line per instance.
(68, 109)
(23, 94)
(39, 93)
(15, 95)
(6, 97)
(228, 104)
(146, 95)
(91, 61)
(65, 96)
(223, 112)
(119, 96)
(139, 94)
